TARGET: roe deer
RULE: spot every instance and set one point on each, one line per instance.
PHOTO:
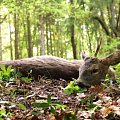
(94, 70)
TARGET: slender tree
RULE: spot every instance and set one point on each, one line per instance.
(0, 42)
(42, 40)
(30, 48)
(11, 46)
(16, 25)
(72, 30)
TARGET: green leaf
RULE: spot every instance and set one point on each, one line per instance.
(76, 88)
(9, 69)
(49, 99)
(2, 112)
(68, 91)
(53, 111)
(35, 112)
(56, 103)
(71, 83)
(91, 107)
(41, 105)
(21, 106)
(72, 89)
(84, 100)
(26, 79)
(1, 118)
(3, 68)
(1, 75)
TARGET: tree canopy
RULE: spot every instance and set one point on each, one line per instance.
(61, 28)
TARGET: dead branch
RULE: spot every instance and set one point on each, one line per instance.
(112, 59)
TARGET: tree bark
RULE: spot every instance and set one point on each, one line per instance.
(0, 42)
(103, 24)
(42, 40)
(112, 59)
(16, 25)
(48, 66)
(11, 46)
(47, 38)
(72, 32)
(30, 48)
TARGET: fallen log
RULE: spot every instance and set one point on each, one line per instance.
(49, 66)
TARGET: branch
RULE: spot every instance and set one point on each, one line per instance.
(102, 23)
(112, 59)
(2, 19)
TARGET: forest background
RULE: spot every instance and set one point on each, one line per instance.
(60, 28)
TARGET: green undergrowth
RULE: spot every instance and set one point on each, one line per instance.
(71, 88)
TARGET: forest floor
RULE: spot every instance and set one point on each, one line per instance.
(17, 102)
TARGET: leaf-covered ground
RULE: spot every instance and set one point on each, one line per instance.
(17, 101)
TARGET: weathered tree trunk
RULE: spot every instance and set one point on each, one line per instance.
(49, 66)
(30, 48)
(42, 39)
(72, 31)
(16, 25)
(51, 41)
(11, 46)
(0, 42)
(47, 38)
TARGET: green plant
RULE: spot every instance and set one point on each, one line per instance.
(71, 88)
(4, 114)
(117, 69)
(7, 73)
(22, 106)
(88, 102)
(52, 106)
(70, 116)
(26, 79)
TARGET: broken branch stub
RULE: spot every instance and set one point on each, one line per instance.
(111, 59)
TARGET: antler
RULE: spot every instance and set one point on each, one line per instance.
(112, 59)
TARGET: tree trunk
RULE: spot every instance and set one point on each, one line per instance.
(51, 42)
(42, 41)
(0, 43)
(47, 38)
(30, 49)
(72, 31)
(0, 39)
(11, 47)
(16, 25)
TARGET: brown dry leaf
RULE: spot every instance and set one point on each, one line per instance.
(98, 103)
(97, 115)
(85, 114)
(114, 102)
(116, 109)
(96, 89)
(51, 117)
(106, 110)
(107, 99)
(32, 117)
(118, 101)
